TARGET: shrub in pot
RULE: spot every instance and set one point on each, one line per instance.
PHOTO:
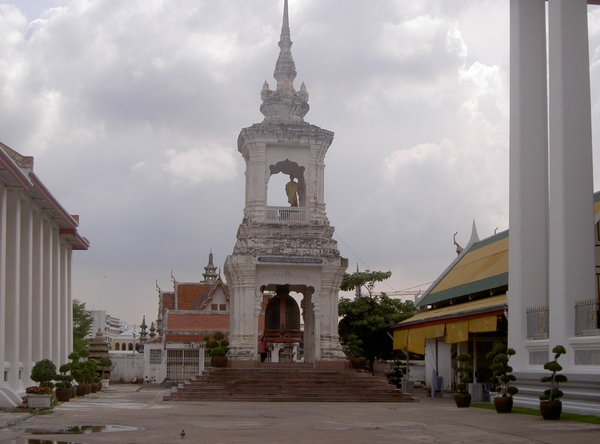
(354, 352)
(502, 376)
(550, 403)
(105, 365)
(218, 348)
(44, 372)
(398, 373)
(84, 372)
(64, 385)
(462, 398)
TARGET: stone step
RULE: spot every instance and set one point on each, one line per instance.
(288, 385)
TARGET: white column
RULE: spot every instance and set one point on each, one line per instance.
(56, 293)
(47, 290)
(25, 308)
(528, 242)
(330, 348)
(242, 320)
(64, 308)
(13, 260)
(69, 327)
(571, 178)
(37, 304)
(3, 198)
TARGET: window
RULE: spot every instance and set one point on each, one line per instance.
(155, 356)
(214, 307)
(117, 345)
(223, 307)
(130, 346)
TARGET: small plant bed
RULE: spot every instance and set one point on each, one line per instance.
(20, 409)
(590, 419)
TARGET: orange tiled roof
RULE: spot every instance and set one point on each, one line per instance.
(168, 300)
(190, 296)
(197, 322)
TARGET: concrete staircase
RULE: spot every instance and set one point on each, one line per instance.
(300, 384)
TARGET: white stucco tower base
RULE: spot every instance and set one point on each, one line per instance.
(292, 245)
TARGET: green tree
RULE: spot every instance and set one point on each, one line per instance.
(82, 324)
(365, 279)
(369, 318)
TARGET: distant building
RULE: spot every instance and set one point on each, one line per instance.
(110, 326)
(37, 238)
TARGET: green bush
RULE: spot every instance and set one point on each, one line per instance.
(219, 346)
(502, 371)
(44, 372)
(463, 370)
(554, 393)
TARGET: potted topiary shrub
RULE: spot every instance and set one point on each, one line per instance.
(64, 386)
(105, 365)
(462, 398)
(84, 372)
(43, 372)
(355, 352)
(550, 403)
(91, 375)
(76, 369)
(502, 376)
(397, 373)
(218, 348)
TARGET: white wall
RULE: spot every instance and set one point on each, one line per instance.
(444, 361)
(127, 366)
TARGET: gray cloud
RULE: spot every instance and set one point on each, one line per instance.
(132, 111)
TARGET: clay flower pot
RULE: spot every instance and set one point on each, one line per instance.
(81, 390)
(462, 400)
(551, 409)
(503, 404)
(357, 363)
(219, 361)
(63, 394)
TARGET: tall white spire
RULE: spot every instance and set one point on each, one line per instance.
(285, 104)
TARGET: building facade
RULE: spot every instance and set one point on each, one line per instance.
(37, 238)
(552, 235)
(110, 326)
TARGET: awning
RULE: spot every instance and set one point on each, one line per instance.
(453, 323)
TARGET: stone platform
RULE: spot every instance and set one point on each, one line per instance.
(288, 384)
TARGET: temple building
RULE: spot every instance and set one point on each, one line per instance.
(187, 314)
(288, 250)
(37, 238)
(553, 226)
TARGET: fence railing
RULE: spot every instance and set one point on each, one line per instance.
(286, 214)
(537, 323)
(182, 364)
(586, 318)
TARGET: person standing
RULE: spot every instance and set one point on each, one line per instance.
(263, 348)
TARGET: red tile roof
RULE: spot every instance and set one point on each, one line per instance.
(197, 322)
(168, 298)
(191, 296)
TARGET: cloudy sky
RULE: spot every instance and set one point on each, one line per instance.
(132, 111)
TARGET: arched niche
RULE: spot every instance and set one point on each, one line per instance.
(287, 168)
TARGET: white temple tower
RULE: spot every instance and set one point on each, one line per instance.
(287, 247)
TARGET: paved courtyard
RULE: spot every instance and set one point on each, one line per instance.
(429, 421)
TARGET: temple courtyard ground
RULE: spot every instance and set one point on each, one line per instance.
(133, 415)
